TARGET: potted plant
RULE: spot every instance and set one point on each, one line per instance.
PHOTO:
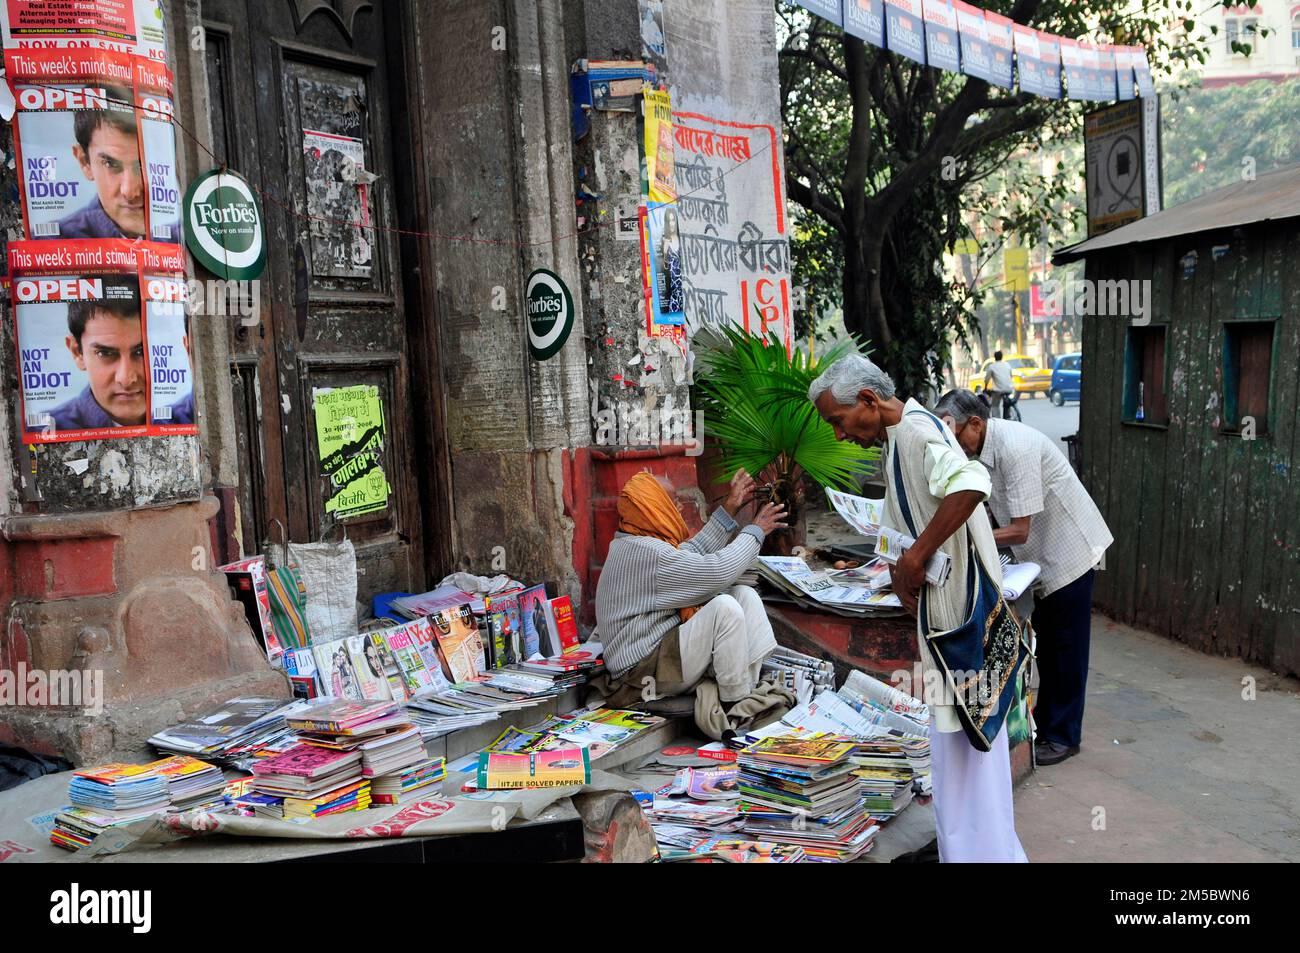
(756, 411)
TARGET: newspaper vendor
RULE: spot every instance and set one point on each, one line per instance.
(668, 608)
(974, 812)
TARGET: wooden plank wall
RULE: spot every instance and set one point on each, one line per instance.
(1207, 524)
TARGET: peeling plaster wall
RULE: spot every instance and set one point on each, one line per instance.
(632, 377)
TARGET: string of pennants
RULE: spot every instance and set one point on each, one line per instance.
(956, 36)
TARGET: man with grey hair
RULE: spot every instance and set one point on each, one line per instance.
(974, 813)
(1046, 516)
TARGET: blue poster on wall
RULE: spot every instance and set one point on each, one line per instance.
(865, 19)
(941, 44)
(904, 30)
(826, 9)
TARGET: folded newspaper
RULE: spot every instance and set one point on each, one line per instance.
(862, 514)
(793, 576)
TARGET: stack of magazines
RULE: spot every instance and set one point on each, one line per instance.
(801, 790)
(234, 733)
(409, 784)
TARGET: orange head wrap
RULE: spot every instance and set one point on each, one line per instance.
(646, 509)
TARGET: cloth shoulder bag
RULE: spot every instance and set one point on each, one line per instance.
(981, 659)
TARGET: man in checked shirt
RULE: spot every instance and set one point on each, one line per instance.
(1046, 516)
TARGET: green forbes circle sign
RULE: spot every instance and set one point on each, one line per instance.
(549, 312)
(223, 226)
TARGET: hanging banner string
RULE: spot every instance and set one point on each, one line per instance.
(959, 37)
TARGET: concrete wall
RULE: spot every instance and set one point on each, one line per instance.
(497, 162)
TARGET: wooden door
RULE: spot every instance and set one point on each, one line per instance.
(299, 90)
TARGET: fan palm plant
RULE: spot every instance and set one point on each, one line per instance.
(755, 401)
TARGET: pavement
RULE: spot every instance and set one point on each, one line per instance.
(1186, 757)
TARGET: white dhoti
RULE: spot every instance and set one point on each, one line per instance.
(727, 640)
(974, 813)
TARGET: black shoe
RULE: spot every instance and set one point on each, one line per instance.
(929, 854)
(1053, 752)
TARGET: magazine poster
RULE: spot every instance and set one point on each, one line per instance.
(663, 244)
(171, 374)
(80, 341)
(904, 29)
(942, 47)
(154, 113)
(1001, 46)
(865, 19)
(976, 55)
(127, 26)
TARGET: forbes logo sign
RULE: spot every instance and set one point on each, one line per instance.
(548, 306)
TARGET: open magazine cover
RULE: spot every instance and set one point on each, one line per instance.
(154, 111)
(81, 344)
(95, 145)
(82, 331)
(167, 322)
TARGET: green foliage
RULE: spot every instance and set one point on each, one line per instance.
(1217, 137)
(755, 402)
(896, 161)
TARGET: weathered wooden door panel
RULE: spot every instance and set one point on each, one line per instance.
(303, 116)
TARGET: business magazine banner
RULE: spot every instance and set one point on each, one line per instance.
(1142, 69)
(976, 57)
(865, 19)
(826, 9)
(1076, 72)
(171, 372)
(997, 29)
(1091, 54)
(80, 337)
(1124, 77)
(1030, 66)
(127, 26)
(154, 113)
(1049, 54)
(942, 47)
(904, 29)
(1108, 74)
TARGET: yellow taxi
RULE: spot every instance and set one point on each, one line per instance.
(1026, 375)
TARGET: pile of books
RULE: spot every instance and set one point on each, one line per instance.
(801, 790)
(691, 847)
(325, 772)
(114, 795)
(885, 775)
(105, 797)
(308, 781)
(390, 752)
(409, 784)
(191, 783)
(234, 733)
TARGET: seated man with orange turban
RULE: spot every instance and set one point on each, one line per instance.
(668, 608)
